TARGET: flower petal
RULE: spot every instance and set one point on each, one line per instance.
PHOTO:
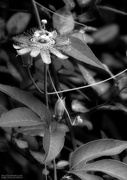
(34, 53)
(23, 51)
(45, 57)
(58, 53)
(16, 47)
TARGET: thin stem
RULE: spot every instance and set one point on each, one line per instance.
(112, 9)
(56, 92)
(55, 171)
(45, 84)
(71, 134)
(34, 81)
(69, 122)
(45, 65)
(55, 77)
(89, 85)
(37, 14)
(45, 170)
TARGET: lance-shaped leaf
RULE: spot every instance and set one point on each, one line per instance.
(80, 51)
(29, 100)
(95, 149)
(19, 117)
(113, 168)
(53, 143)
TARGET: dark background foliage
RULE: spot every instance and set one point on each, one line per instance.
(112, 52)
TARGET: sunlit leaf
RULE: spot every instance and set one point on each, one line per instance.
(80, 51)
(95, 149)
(62, 164)
(113, 168)
(83, 3)
(21, 144)
(18, 22)
(78, 106)
(29, 100)
(19, 117)
(53, 143)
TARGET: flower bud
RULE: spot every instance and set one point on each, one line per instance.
(27, 60)
(59, 108)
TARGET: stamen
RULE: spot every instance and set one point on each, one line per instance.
(43, 21)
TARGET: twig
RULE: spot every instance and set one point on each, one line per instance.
(45, 84)
(112, 9)
(89, 85)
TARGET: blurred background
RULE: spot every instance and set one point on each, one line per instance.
(106, 35)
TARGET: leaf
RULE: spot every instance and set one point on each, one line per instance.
(81, 52)
(83, 37)
(63, 21)
(84, 176)
(38, 156)
(89, 78)
(95, 149)
(29, 100)
(19, 117)
(18, 22)
(113, 168)
(59, 127)
(62, 163)
(78, 106)
(106, 33)
(53, 143)
(32, 142)
(37, 130)
(69, 3)
(83, 3)
(121, 106)
(2, 110)
(21, 144)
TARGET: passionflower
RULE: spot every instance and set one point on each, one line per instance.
(42, 42)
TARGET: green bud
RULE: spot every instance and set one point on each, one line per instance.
(59, 108)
